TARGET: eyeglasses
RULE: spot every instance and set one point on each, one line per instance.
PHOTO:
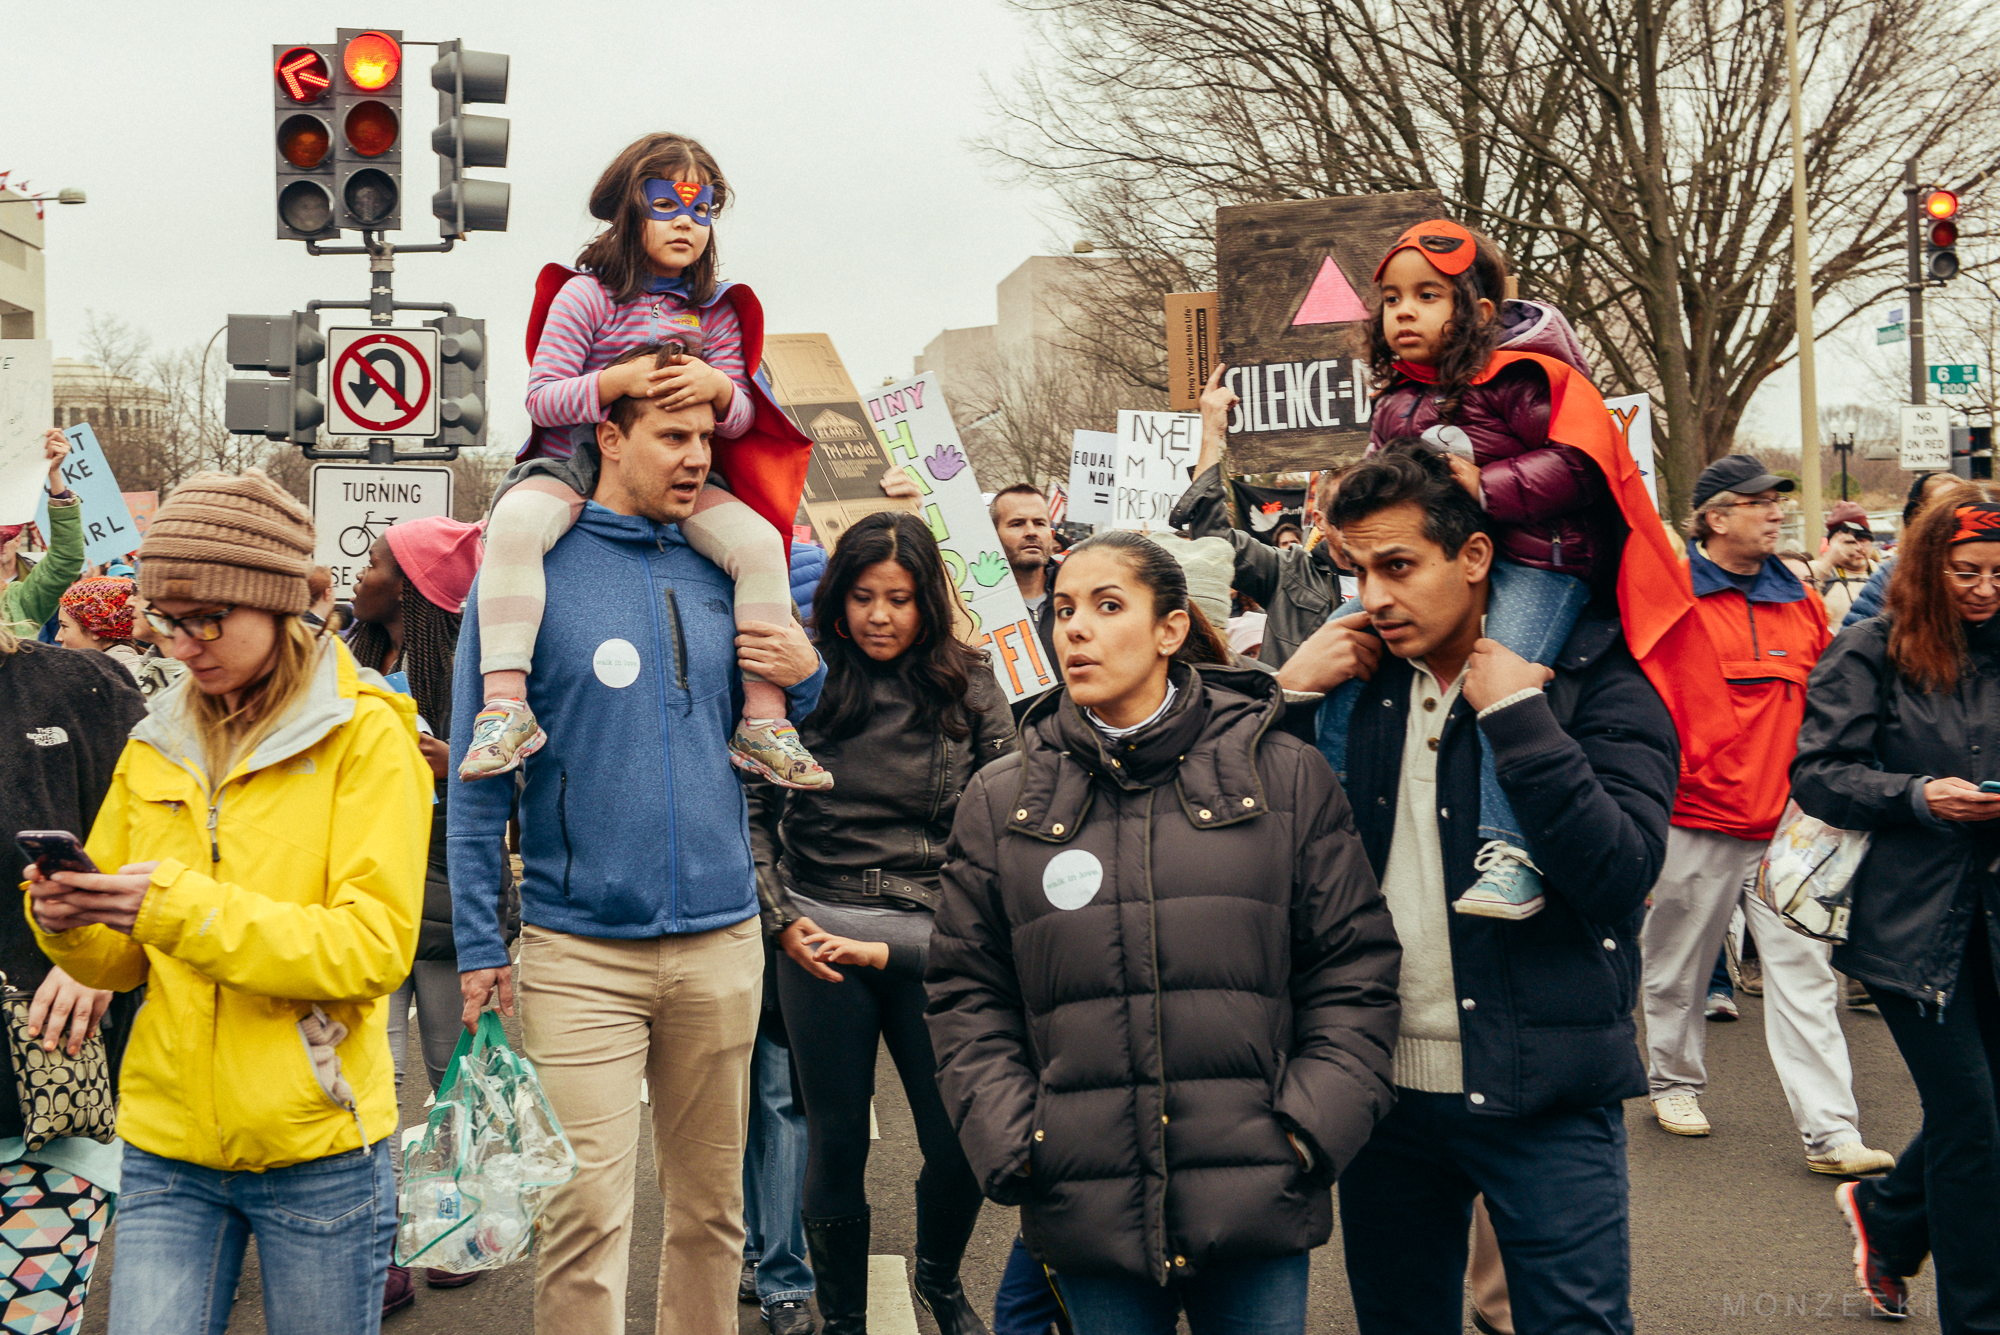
(1972, 579)
(202, 626)
(1775, 504)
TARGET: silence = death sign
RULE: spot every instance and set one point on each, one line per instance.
(384, 382)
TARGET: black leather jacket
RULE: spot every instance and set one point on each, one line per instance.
(896, 790)
(1297, 586)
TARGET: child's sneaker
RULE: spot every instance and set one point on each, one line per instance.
(1508, 885)
(504, 735)
(771, 750)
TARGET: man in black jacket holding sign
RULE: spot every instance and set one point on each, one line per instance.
(1517, 1043)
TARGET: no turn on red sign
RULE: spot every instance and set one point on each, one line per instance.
(384, 382)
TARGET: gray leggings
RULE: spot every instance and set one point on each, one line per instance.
(434, 985)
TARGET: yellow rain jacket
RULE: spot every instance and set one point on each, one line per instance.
(296, 888)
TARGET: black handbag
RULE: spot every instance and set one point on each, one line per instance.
(60, 1095)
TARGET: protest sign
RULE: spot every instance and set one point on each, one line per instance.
(844, 475)
(109, 531)
(1260, 510)
(1294, 281)
(918, 433)
(1093, 476)
(1154, 453)
(1194, 346)
(27, 407)
(1632, 415)
(141, 505)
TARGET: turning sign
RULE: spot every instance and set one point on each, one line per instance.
(384, 382)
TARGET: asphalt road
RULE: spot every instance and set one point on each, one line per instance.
(1729, 1233)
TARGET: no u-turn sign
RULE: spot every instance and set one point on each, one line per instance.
(384, 382)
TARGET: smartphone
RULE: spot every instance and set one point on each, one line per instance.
(1990, 786)
(54, 850)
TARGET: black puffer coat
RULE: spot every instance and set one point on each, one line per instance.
(1156, 957)
(1868, 743)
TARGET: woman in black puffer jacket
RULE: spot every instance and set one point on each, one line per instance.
(849, 878)
(1163, 981)
(1902, 727)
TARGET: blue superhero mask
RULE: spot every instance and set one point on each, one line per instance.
(669, 200)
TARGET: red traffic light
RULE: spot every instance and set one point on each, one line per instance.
(303, 141)
(370, 129)
(303, 74)
(1944, 234)
(1941, 204)
(371, 60)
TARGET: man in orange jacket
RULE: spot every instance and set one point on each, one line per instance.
(1768, 630)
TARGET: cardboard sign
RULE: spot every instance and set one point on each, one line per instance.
(27, 407)
(1295, 279)
(109, 531)
(1093, 476)
(844, 476)
(1632, 414)
(1154, 453)
(1194, 346)
(918, 433)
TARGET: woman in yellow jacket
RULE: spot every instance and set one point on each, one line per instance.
(268, 821)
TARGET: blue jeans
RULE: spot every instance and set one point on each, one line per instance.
(1556, 1191)
(1264, 1296)
(1024, 1303)
(1530, 611)
(774, 1180)
(324, 1229)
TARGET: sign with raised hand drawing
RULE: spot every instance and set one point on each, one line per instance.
(916, 430)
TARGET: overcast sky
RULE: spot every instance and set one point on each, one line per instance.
(860, 209)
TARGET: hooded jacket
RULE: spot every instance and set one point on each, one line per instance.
(1869, 743)
(1550, 502)
(1156, 958)
(289, 892)
(1767, 644)
(632, 822)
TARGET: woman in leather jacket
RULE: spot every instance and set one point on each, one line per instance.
(849, 878)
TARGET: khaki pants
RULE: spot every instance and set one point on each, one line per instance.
(598, 1014)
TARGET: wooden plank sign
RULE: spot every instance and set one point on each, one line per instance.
(1295, 279)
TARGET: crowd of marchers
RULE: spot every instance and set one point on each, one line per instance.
(1175, 959)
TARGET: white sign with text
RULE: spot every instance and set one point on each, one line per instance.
(1154, 453)
(354, 504)
(27, 409)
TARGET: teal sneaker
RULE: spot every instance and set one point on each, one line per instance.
(1508, 887)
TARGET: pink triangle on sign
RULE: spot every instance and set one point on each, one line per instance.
(1332, 299)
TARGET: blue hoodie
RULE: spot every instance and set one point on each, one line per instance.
(632, 821)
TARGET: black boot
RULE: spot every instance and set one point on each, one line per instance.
(942, 1233)
(840, 1272)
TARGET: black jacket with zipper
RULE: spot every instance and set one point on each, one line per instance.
(1156, 957)
(1870, 741)
(1546, 1003)
(1298, 586)
(896, 789)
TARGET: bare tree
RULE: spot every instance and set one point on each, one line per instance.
(1018, 410)
(1632, 156)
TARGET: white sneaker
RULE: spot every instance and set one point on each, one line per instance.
(1681, 1114)
(1508, 887)
(1851, 1159)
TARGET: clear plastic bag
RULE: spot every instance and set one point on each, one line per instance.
(491, 1154)
(1807, 874)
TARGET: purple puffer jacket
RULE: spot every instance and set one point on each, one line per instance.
(1551, 504)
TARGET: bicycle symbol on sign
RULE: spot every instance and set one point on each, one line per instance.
(357, 540)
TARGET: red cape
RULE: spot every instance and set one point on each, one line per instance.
(766, 465)
(1656, 602)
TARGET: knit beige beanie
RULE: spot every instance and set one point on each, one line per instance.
(239, 539)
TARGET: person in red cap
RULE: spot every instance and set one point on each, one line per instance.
(407, 604)
(1848, 562)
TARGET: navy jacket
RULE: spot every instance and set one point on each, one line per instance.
(632, 822)
(1545, 1019)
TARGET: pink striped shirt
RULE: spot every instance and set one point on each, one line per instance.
(587, 331)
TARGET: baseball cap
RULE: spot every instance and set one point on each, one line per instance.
(1740, 473)
(1847, 516)
(1449, 247)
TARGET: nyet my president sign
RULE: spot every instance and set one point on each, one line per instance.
(917, 431)
(1154, 453)
(1294, 282)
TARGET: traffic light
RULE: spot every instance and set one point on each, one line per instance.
(288, 348)
(368, 129)
(461, 387)
(466, 203)
(1940, 222)
(303, 83)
